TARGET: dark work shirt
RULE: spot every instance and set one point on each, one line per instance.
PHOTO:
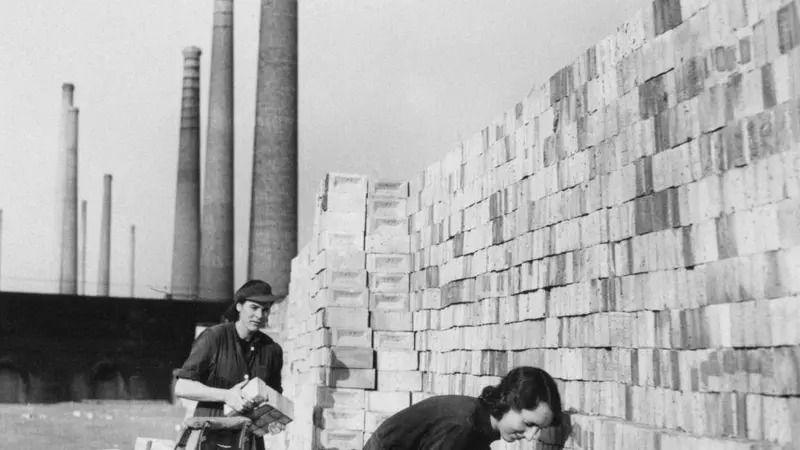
(221, 359)
(445, 422)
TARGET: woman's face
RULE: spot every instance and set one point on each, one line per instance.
(526, 423)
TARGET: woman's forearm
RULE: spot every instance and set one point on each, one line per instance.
(195, 390)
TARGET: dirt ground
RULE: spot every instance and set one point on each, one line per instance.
(86, 425)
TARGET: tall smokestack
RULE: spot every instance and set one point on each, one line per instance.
(133, 261)
(1, 248)
(68, 279)
(103, 273)
(273, 206)
(216, 260)
(186, 242)
(82, 255)
(64, 142)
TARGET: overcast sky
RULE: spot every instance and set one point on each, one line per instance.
(386, 88)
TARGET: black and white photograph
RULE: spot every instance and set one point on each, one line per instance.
(400, 225)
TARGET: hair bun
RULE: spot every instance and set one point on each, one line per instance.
(488, 392)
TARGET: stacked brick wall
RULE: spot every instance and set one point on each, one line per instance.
(633, 227)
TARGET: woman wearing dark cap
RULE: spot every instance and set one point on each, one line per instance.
(525, 401)
(225, 356)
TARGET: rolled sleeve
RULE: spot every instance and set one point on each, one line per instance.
(198, 365)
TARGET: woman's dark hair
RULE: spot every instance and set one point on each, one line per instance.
(523, 388)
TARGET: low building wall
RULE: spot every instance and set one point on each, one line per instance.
(68, 348)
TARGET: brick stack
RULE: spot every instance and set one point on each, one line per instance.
(297, 377)
(329, 351)
(631, 226)
(388, 267)
(342, 357)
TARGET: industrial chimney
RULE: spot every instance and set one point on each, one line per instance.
(216, 241)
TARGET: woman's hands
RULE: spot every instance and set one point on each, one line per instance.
(234, 399)
(275, 427)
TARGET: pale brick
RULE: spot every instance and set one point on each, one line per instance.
(383, 320)
(394, 189)
(327, 397)
(388, 262)
(346, 357)
(396, 360)
(335, 240)
(338, 260)
(396, 380)
(343, 183)
(387, 226)
(340, 418)
(340, 439)
(341, 297)
(393, 340)
(335, 317)
(388, 282)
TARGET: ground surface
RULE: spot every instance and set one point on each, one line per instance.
(86, 425)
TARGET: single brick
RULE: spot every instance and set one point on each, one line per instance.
(660, 210)
(497, 231)
(767, 133)
(768, 85)
(745, 50)
(691, 79)
(789, 223)
(712, 154)
(549, 151)
(591, 63)
(783, 117)
(674, 212)
(774, 283)
(724, 58)
(726, 236)
(661, 131)
(711, 108)
(653, 98)
(644, 215)
(788, 28)
(760, 135)
(666, 15)
(687, 249)
(736, 154)
(733, 95)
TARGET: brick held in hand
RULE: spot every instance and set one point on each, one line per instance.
(272, 406)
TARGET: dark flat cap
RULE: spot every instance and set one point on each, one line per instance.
(256, 291)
